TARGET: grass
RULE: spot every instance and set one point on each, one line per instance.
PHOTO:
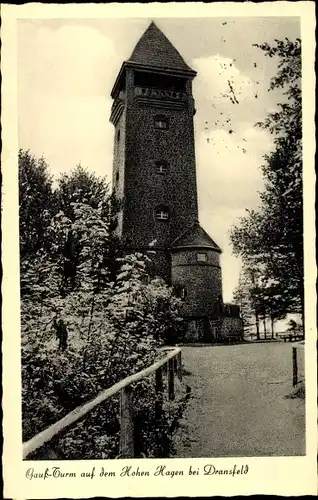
(299, 392)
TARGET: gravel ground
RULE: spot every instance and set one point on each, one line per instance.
(238, 405)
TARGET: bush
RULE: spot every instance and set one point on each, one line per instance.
(82, 333)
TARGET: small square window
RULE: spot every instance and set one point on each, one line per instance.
(201, 257)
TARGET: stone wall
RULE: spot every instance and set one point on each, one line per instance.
(201, 280)
(213, 330)
(118, 177)
(231, 327)
(145, 189)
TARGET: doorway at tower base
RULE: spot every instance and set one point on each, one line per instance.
(213, 330)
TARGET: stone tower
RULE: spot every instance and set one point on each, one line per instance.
(154, 159)
(154, 171)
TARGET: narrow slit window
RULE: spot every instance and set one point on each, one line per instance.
(181, 292)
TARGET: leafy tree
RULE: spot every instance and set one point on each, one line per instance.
(42, 207)
(81, 186)
(272, 236)
(294, 327)
(271, 304)
(35, 202)
(110, 329)
(90, 315)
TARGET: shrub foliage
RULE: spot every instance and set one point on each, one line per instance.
(90, 316)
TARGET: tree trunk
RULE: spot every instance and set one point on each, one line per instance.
(90, 319)
(264, 324)
(272, 327)
(89, 331)
(257, 325)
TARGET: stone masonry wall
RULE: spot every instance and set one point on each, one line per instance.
(203, 282)
(144, 188)
(231, 327)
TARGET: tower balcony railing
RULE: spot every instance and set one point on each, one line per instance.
(167, 94)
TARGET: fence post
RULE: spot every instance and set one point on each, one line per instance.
(171, 379)
(126, 423)
(176, 365)
(159, 390)
(179, 366)
(295, 367)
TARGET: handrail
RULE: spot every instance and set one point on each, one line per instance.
(43, 437)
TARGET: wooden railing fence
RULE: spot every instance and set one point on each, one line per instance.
(171, 362)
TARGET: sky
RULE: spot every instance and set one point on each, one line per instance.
(66, 70)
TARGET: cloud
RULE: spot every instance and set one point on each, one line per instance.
(229, 150)
(64, 76)
(229, 178)
(70, 59)
(219, 77)
(228, 166)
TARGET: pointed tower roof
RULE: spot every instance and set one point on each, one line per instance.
(155, 53)
(154, 49)
(195, 237)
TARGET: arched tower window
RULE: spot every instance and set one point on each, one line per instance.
(161, 122)
(162, 213)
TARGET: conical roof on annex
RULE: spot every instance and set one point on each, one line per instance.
(195, 237)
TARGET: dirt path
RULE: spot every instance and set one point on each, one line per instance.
(238, 405)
